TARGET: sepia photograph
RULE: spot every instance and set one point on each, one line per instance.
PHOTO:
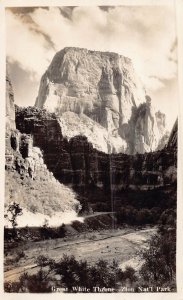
(91, 130)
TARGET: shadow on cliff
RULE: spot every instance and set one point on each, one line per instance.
(103, 182)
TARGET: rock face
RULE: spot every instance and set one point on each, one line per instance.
(146, 128)
(172, 142)
(10, 109)
(73, 125)
(28, 180)
(104, 87)
(91, 172)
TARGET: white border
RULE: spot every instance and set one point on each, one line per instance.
(179, 21)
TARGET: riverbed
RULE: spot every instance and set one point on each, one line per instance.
(123, 245)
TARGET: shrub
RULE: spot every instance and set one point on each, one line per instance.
(72, 273)
(101, 274)
(160, 258)
(15, 210)
(36, 283)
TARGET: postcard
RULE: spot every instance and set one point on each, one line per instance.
(91, 149)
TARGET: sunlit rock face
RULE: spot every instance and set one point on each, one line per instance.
(10, 109)
(172, 142)
(102, 87)
(77, 163)
(28, 180)
(146, 129)
(97, 177)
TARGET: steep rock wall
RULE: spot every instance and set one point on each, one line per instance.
(10, 110)
(104, 87)
(28, 180)
(173, 139)
(78, 164)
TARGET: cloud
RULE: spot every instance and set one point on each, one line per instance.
(66, 11)
(145, 34)
(28, 48)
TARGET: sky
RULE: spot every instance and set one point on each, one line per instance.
(146, 34)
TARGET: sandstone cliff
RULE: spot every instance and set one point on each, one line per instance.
(28, 180)
(104, 87)
(172, 142)
(10, 110)
(40, 159)
(98, 176)
(29, 183)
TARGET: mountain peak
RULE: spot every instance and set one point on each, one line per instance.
(95, 52)
(104, 87)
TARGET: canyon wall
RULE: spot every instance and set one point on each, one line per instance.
(10, 110)
(78, 164)
(173, 139)
(28, 180)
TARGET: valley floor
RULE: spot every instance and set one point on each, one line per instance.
(123, 245)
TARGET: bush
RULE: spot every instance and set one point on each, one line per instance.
(12, 287)
(168, 218)
(142, 216)
(19, 255)
(72, 273)
(101, 274)
(36, 283)
(160, 258)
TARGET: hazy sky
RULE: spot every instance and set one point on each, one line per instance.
(145, 34)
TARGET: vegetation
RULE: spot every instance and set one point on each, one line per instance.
(158, 269)
(139, 217)
(32, 234)
(158, 198)
(36, 283)
(72, 273)
(20, 187)
(15, 211)
(32, 110)
(159, 260)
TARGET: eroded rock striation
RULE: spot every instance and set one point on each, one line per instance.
(173, 139)
(102, 87)
(40, 158)
(97, 175)
(10, 110)
(29, 182)
(27, 178)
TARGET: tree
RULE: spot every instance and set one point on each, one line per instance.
(36, 283)
(129, 274)
(159, 259)
(15, 210)
(80, 273)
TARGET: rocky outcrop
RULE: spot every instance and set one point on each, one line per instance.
(161, 121)
(73, 125)
(28, 180)
(10, 109)
(146, 129)
(173, 139)
(104, 87)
